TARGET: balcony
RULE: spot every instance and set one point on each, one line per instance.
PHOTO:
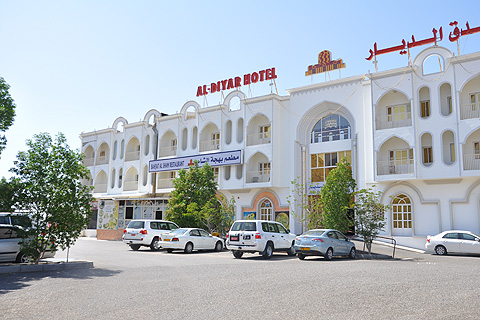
(393, 121)
(132, 156)
(405, 166)
(331, 135)
(167, 151)
(88, 162)
(130, 186)
(470, 111)
(471, 162)
(258, 138)
(100, 188)
(257, 176)
(209, 145)
(165, 183)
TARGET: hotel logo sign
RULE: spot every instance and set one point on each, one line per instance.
(325, 64)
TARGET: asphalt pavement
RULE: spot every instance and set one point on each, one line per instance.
(213, 285)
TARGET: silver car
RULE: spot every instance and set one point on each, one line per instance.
(453, 241)
(10, 245)
(324, 242)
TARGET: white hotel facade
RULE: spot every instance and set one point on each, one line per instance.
(413, 134)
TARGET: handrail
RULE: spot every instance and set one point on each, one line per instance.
(389, 238)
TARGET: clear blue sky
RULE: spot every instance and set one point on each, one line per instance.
(76, 66)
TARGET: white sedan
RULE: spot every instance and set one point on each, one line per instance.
(189, 239)
(453, 241)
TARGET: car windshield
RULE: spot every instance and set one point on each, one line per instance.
(136, 224)
(317, 232)
(244, 226)
(179, 231)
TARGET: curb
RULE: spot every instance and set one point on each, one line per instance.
(371, 256)
(21, 268)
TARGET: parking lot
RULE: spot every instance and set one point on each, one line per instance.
(214, 285)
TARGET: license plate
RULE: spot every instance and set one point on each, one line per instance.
(305, 249)
(234, 238)
(132, 234)
(166, 239)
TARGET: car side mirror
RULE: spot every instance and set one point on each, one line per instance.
(288, 230)
(477, 239)
(210, 235)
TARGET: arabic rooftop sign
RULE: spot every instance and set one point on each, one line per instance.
(214, 159)
(406, 45)
(325, 64)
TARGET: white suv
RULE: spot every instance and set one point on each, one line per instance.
(146, 233)
(260, 236)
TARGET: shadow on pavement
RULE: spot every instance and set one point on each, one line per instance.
(14, 281)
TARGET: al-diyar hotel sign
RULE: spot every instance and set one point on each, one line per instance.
(226, 158)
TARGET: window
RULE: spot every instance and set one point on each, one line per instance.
(331, 128)
(476, 148)
(264, 132)
(322, 163)
(427, 155)
(173, 144)
(216, 138)
(452, 152)
(266, 210)
(195, 233)
(203, 233)
(467, 236)
(264, 168)
(425, 108)
(401, 157)
(398, 113)
(102, 153)
(158, 215)
(475, 101)
(129, 213)
(451, 236)
(402, 212)
(449, 104)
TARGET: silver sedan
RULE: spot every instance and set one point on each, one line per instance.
(453, 241)
(324, 242)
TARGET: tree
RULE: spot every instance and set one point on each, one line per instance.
(311, 205)
(218, 215)
(51, 193)
(193, 196)
(8, 189)
(337, 196)
(7, 112)
(369, 215)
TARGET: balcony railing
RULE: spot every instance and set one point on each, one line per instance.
(257, 176)
(102, 160)
(209, 145)
(132, 156)
(258, 138)
(167, 151)
(470, 111)
(331, 135)
(130, 186)
(87, 162)
(393, 121)
(395, 167)
(100, 188)
(471, 162)
(165, 183)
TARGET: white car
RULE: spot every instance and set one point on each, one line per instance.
(189, 239)
(453, 241)
(260, 236)
(146, 233)
(10, 245)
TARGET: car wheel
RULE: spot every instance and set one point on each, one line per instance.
(218, 246)
(188, 247)
(135, 247)
(301, 256)
(329, 254)
(440, 250)
(237, 254)
(267, 254)
(169, 250)
(291, 250)
(22, 258)
(155, 245)
(353, 253)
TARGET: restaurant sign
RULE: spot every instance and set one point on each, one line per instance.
(213, 159)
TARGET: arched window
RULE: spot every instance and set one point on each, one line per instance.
(266, 210)
(402, 214)
(331, 128)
